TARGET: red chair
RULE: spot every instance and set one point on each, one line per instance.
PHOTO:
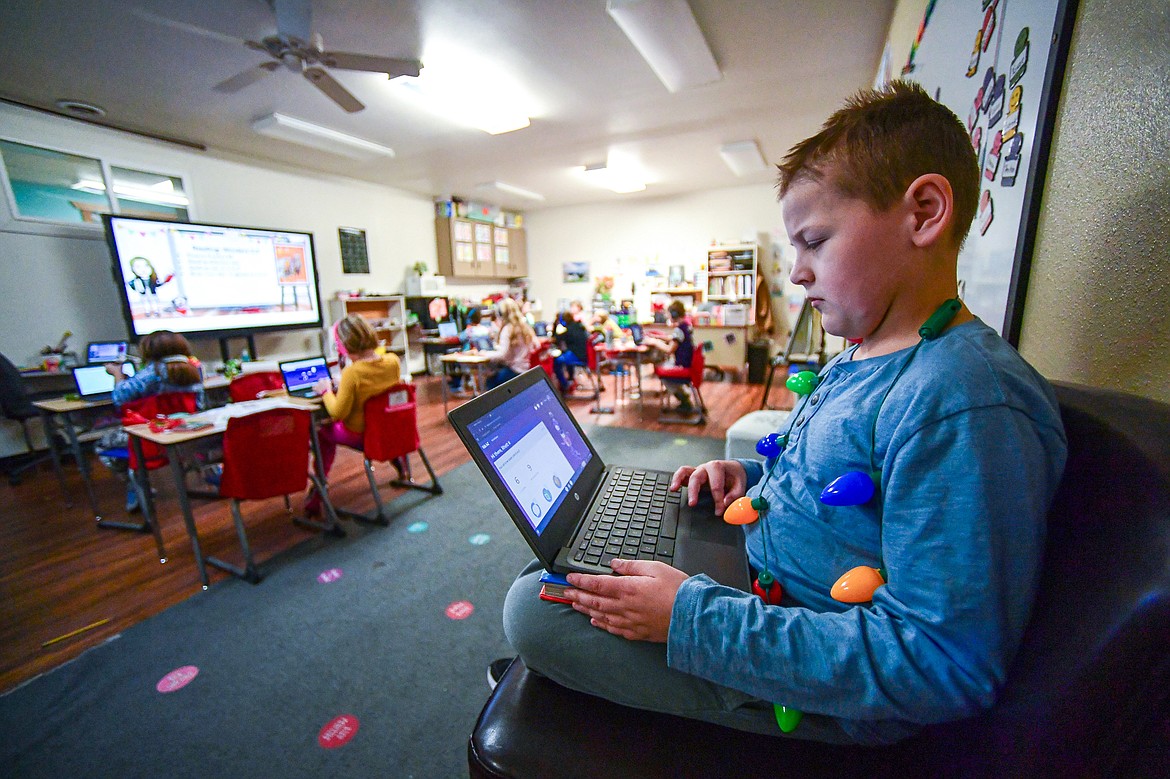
(542, 356)
(392, 435)
(673, 376)
(249, 386)
(133, 413)
(266, 455)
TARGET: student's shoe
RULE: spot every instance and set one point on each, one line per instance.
(133, 505)
(497, 669)
(212, 475)
(686, 408)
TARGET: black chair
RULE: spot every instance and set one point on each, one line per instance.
(1087, 696)
(17, 407)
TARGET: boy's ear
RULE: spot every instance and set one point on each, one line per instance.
(932, 203)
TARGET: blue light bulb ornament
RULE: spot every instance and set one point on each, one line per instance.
(802, 383)
(771, 445)
(851, 489)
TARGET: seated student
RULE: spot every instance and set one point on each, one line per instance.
(605, 324)
(572, 340)
(577, 311)
(965, 442)
(476, 336)
(167, 366)
(681, 347)
(513, 344)
(367, 373)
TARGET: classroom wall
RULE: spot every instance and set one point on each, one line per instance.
(53, 283)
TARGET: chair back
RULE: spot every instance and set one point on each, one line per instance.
(698, 365)
(593, 346)
(391, 424)
(266, 454)
(146, 409)
(248, 386)
(14, 400)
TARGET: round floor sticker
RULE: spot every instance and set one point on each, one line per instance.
(332, 575)
(338, 731)
(479, 539)
(177, 679)
(417, 527)
(460, 609)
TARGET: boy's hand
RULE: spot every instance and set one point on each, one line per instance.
(636, 605)
(726, 478)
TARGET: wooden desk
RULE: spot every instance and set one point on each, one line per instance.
(474, 361)
(433, 346)
(172, 441)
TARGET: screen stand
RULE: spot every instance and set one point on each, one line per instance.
(225, 351)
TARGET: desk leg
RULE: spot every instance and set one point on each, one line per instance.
(82, 465)
(444, 377)
(333, 527)
(185, 507)
(597, 407)
(141, 479)
(49, 424)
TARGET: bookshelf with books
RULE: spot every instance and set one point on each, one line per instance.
(731, 289)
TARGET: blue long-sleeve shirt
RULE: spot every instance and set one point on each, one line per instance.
(971, 448)
(151, 380)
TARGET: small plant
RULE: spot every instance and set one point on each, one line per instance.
(419, 268)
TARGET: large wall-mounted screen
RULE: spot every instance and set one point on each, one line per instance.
(212, 280)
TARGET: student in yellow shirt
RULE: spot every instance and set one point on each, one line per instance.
(367, 374)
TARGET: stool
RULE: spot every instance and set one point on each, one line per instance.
(750, 428)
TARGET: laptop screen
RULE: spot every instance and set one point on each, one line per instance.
(301, 375)
(535, 450)
(106, 351)
(93, 380)
(448, 330)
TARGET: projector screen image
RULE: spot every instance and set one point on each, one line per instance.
(214, 280)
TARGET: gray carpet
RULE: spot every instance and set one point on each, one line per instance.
(279, 661)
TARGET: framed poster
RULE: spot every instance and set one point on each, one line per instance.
(999, 65)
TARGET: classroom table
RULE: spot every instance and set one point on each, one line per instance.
(475, 361)
(435, 346)
(172, 441)
(626, 354)
(62, 409)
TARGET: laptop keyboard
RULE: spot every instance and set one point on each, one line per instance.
(635, 518)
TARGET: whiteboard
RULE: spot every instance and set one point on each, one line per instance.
(998, 64)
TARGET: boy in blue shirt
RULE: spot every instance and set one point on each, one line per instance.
(963, 440)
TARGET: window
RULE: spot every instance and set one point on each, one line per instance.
(51, 185)
(62, 188)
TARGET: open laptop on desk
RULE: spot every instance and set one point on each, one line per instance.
(301, 375)
(94, 384)
(107, 351)
(558, 491)
(448, 330)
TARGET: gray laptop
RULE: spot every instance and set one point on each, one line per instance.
(94, 384)
(561, 495)
(301, 375)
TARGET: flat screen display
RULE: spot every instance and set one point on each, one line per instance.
(214, 280)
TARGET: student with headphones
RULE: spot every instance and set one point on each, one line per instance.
(951, 446)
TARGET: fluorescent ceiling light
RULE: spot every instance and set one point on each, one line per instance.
(620, 181)
(288, 128)
(499, 186)
(743, 157)
(667, 36)
(156, 194)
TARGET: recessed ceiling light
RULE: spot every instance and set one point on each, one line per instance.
(288, 128)
(743, 157)
(81, 108)
(510, 189)
(617, 180)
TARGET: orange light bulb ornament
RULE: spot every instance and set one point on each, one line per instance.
(743, 511)
(857, 585)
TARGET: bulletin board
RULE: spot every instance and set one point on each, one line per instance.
(999, 65)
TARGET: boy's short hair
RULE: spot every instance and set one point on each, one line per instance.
(881, 141)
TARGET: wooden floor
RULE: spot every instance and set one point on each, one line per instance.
(61, 575)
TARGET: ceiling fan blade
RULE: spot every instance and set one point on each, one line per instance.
(333, 89)
(185, 27)
(294, 19)
(246, 78)
(370, 62)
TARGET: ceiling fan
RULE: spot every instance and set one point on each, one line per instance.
(297, 49)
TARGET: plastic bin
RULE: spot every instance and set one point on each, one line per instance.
(757, 358)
